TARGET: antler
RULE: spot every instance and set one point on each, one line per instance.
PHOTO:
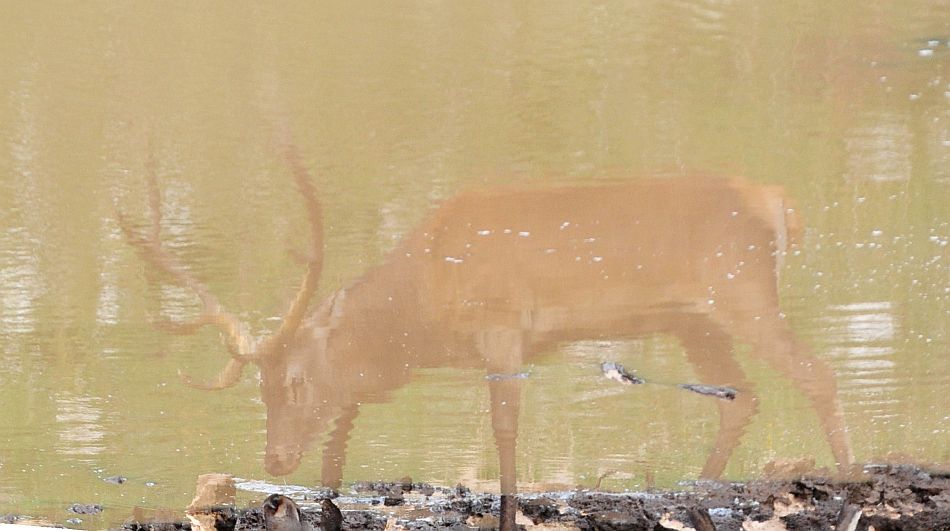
(308, 286)
(241, 345)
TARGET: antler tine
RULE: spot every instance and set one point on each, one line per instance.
(237, 340)
(228, 377)
(308, 286)
(241, 346)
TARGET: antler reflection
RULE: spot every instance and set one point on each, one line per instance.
(243, 347)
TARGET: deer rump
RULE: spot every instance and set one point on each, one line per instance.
(550, 260)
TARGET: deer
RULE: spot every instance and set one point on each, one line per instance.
(493, 276)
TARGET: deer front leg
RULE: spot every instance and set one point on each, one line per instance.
(709, 351)
(505, 404)
(502, 350)
(334, 451)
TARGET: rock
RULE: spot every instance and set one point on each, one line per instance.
(213, 490)
(725, 393)
(616, 372)
(332, 518)
(282, 514)
(423, 488)
(83, 508)
(539, 509)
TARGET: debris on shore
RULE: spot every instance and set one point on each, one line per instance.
(883, 497)
(616, 371)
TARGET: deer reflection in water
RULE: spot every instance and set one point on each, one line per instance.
(495, 276)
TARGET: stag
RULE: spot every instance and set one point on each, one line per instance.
(493, 277)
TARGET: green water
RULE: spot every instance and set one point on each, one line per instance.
(396, 108)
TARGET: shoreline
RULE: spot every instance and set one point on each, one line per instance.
(880, 497)
(883, 497)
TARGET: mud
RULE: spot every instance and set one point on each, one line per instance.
(886, 498)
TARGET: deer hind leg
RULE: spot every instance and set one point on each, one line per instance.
(813, 377)
(709, 350)
(502, 350)
(773, 341)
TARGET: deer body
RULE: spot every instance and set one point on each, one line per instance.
(496, 276)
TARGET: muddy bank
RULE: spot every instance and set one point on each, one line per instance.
(884, 498)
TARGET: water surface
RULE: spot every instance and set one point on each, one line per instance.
(840, 110)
